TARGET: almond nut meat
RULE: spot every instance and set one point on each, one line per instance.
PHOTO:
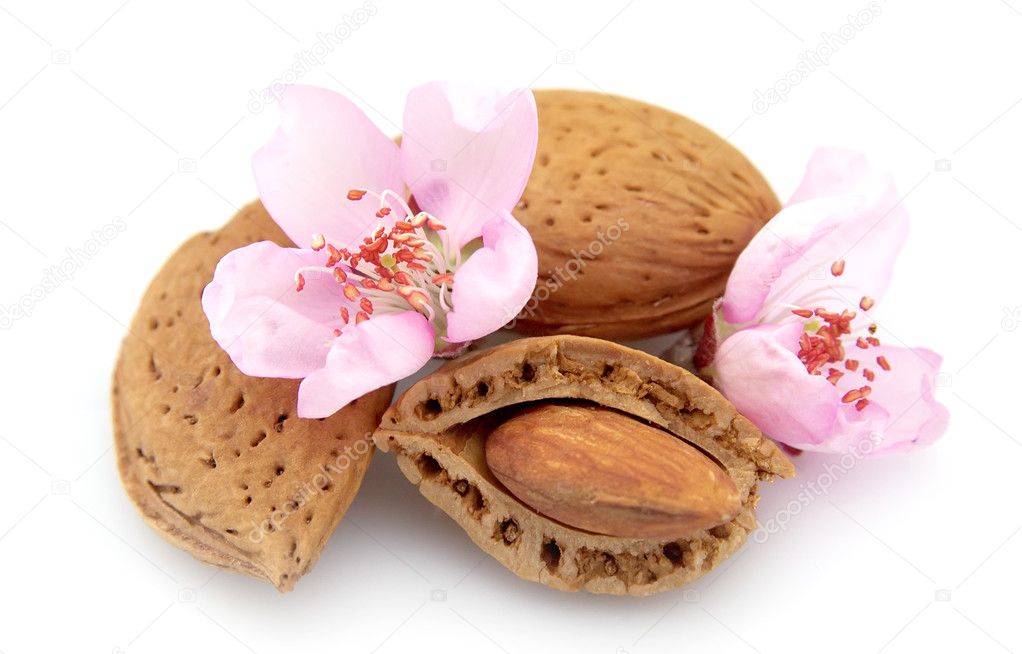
(216, 461)
(633, 208)
(440, 427)
(601, 471)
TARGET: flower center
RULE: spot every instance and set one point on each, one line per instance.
(393, 269)
(821, 344)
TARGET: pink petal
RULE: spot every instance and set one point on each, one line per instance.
(256, 315)
(757, 370)
(495, 283)
(467, 153)
(324, 147)
(906, 393)
(379, 351)
(789, 260)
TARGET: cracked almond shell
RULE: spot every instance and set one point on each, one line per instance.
(438, 430)
(638, 215)
(216, 461)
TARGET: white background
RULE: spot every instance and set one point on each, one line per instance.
(140, 109)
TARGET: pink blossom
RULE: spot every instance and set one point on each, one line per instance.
(376, 287)
(793, 342)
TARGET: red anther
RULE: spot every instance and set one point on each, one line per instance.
(344, 314)
(403, 227)
(401, 277)
(340, 276)
(383, 212)
(882, 362)
(299, 281)
(366, 305)
(837, 268)
(368, 283)
(361, 317)
(802, 313)
(337, 332)
(873, 328)
(402, 237)
(872, 340)
(385, 285)
(356, 194)
(421, 254)
(335, 256)
(866, 303)
(380, 231)
(868, 374)
(435, 225)
(318, 242)
(446, 278)
(416, 266)
(833, 375)
(414, 242)
(418, 220)
(856, 394)
(861, 343)
(414, 297)
(351, 292)
(861, 404)
(354, 260)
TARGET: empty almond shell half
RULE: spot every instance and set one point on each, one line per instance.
(439, 429)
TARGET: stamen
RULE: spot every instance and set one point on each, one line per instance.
(837, 268)
(356, 194)
(802, 313)
(299, 281)
(866, 303)
(852, 364)
(361, 317)
(882, 362)
(366, 305)
(344, 314)
(861, 404)
(351, 292)
(868, 374)
(340, 276)
(318, 242)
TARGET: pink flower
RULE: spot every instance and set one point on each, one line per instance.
(792, 343)
(376, 287)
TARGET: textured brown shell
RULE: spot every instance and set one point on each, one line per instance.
(217, 461)
(437, 429)
(638, 215)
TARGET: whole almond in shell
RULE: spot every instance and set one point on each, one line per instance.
(638, 215)
(216, 461)
(602, 471)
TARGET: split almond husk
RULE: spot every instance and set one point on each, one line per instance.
(440, 427)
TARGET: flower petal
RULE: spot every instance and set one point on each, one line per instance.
(906, 392)
(379, 351)
(324, 147)
(267, 327)
(788, 262)
(495, 283)
(467, 153)
(757, 370)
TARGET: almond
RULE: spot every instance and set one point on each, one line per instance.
(638, 215)
(599, 470)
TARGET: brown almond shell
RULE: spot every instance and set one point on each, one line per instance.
(438, 429)
(216, 461)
